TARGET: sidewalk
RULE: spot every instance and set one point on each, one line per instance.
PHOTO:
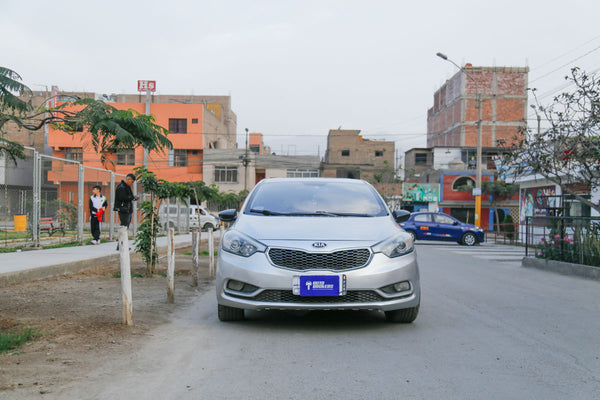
(39, 264)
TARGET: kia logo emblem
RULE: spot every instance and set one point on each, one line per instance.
(319, 244)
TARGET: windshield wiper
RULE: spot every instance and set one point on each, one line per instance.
(339, 214)
(266, 212)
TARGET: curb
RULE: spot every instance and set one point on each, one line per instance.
(74, 267)
(563, 268)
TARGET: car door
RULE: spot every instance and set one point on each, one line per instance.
(423, 224)
(445, 228)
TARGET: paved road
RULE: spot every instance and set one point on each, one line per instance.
(488, 329)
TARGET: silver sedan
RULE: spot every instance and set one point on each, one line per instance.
(316, 244)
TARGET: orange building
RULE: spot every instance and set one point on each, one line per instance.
(193, 126)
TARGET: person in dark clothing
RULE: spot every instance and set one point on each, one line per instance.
(123, 200)
(98, 206)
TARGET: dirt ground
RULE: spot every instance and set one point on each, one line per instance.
(80, 318)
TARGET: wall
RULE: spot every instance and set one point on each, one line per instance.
(452, 119)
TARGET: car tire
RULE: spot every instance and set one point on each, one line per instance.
(413, 235)
(208, 227)
(469, 239)
(404, 316)
(227, 313)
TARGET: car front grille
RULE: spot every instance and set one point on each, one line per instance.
(336, 261)
(286, 296)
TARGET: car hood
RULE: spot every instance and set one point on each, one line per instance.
(272, 228)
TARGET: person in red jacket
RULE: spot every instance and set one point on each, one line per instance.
(98, 206)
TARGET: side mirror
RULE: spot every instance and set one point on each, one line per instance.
(228, 215)
(400, 215)
(456, 223)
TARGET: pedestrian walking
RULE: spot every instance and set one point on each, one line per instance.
(123, 200)
(98, 204)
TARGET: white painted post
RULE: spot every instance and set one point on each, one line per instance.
(171, 266)
(211, 252)
(125, 276)
(195, 258)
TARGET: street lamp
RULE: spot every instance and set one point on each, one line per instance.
(477, 190)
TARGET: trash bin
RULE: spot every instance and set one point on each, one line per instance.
(20, 223)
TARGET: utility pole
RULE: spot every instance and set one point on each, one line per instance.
(245, 162)
(477, 190)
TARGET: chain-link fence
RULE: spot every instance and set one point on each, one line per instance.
(44, 201)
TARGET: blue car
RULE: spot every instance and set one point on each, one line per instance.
(439, 226)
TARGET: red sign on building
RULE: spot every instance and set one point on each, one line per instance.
(144, 86)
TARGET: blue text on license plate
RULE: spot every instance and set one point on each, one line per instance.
(319, 285)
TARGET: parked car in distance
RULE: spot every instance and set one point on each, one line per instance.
(439, 226)
(316, 244)
(192, 216)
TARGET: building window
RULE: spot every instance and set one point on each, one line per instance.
(177, 125)
(194, 120)
(302, 173)
(74, 153)
(420, 158)
(255, 148)
(126, 157)
(463, 181)
(226, 174)
(378, 153)
(178, 158)
(345, 153)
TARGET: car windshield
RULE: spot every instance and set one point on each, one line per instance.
(316, 198)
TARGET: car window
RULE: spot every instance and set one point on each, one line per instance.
(316, 198)
(422, 218)
(443, 219)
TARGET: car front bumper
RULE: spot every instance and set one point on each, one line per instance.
(272, 286)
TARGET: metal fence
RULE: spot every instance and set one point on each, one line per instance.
(569, 239)
(44, 201)
(506, 233)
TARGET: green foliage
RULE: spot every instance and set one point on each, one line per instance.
(13, 338)
(160, 190)
(582, 248)
(145, 243)
(508, 225)
(111, 130)
(10, 88)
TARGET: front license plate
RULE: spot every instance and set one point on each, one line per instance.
(319, 285)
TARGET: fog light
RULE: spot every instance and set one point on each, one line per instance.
(402, 286)
(235, 285)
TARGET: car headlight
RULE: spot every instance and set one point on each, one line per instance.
(242, 245)
(395, 246)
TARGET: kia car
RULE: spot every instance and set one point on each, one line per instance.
(316, 244)
(440, 226)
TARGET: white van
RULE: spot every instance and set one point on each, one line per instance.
(200, 217)
(189, 217)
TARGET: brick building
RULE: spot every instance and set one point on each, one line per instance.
(452, 121)
(349, 155)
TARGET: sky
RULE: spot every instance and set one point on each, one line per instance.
(295, 69)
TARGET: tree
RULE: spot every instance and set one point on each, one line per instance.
(11, 108)
(111, 130)
(161, 190)
(567, 152)
(498, 190)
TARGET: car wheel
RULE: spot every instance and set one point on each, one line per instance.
(404, 316)
(413, 235)
(230, 313)
(208, 227)
(469, 239)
